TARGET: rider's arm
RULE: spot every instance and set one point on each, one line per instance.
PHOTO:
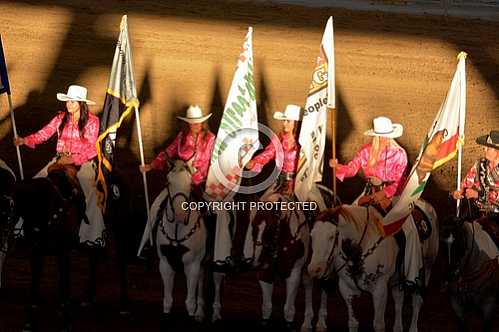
(267, 155)
(45, 133)
(351, 169)
(169, 153)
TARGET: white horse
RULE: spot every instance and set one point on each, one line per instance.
(181, 241)
(351, 245)
(278, 243)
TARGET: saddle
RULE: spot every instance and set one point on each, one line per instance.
(71, 172)
(423, 225)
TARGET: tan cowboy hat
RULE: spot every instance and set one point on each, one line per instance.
(194, 114)
(75, 93)
(383, 126)
(491, 140)
(291, 112)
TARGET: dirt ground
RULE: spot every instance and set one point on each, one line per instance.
(185, 53)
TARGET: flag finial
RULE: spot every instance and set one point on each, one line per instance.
(123, 22)
(462, 55)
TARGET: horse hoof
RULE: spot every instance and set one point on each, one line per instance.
(28, 327)
(265, 325)
(165, 322)
(289, 327)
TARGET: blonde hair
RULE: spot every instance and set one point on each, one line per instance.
(376, 150)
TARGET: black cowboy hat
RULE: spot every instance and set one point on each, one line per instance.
(490, 140)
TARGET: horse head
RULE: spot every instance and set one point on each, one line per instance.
(179, 183)
(324, 243)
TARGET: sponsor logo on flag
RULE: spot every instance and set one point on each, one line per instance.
(313, 128)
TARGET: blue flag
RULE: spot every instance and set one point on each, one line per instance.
(4, 78)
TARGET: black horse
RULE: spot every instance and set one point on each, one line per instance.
(52, 209)
(123, 235)
(473, 269)
(7, 220)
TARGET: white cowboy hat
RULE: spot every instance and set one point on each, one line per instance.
(75, 93)
(194, 114)
(291, 112)
(384, 127)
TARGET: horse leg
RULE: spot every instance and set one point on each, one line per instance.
(321, 325)
(417, 303)
(460, 313)
(488, 311)
(349, 294)
(167, 274)
(36, 263)
(3, 254)
(93, 262)
(398, 299)
(308, 316)
(217, 306)
(267, 290)
(65, 289)
(123, 271)
(192, 274)
(379, 301)
(199, 314)
(292, 284)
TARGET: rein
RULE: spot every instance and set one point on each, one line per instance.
(175, 240)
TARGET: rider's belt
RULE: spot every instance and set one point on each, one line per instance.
(287, 176)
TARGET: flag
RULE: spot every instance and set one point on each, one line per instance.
(439, 146)
(121, 98)
(313, 128)
(237, 137)
(4, 78)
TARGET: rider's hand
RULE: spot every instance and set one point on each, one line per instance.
(471, 193)
(457, 194)
(65, 160)
(19, 141)
(333, 163)
(250, 165)
(145, 168)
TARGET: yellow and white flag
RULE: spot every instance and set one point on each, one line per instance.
(314, 124)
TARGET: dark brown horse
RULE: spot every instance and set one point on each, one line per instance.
(7, 220)
(473, 261)
(51, 209)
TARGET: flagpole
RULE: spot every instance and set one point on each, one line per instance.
(14, 129)
(462, 108)
(142, 162)
(333, 143)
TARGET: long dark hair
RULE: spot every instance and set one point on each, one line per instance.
(82, 121)
(186, 129)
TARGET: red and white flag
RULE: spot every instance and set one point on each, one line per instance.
(440, 145)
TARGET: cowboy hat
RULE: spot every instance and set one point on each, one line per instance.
(383, 126)
(291, 112)
(75, 93)
(194, 114)
(491, 140)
